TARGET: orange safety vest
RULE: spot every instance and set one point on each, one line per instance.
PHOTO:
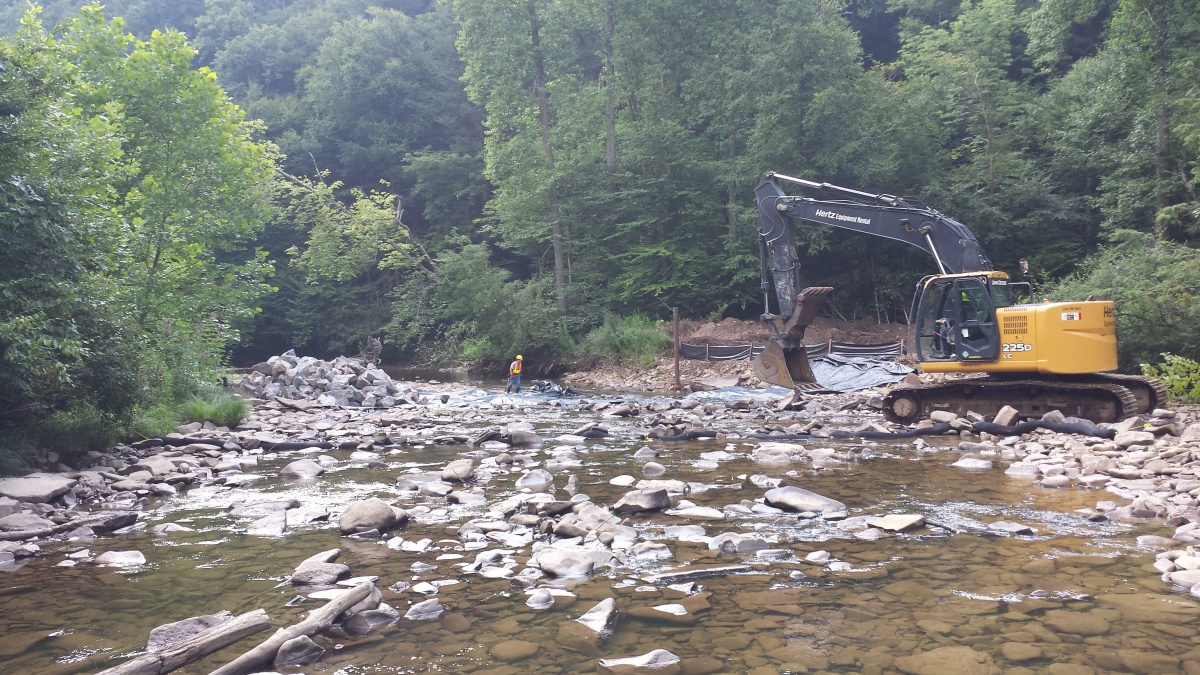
(515, 368)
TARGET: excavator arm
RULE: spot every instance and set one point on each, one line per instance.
(898, 218)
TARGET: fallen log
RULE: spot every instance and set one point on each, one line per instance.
(196, 647)
(317, 621)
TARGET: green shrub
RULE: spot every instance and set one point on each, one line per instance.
(76, 430)
(1153, 283)
(216, 406)
(155, 421)
(633, 338)
(1180, 375)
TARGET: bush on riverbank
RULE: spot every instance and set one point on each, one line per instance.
(627, 339)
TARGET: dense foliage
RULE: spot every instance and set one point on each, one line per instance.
(469, 178)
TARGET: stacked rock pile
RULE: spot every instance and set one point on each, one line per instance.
(345, 382)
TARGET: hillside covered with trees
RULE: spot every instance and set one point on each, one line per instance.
(472, 178)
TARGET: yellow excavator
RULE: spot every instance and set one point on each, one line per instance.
(1034, 357)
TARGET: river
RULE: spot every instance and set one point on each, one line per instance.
(1076, 596)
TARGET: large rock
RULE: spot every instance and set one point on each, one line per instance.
(948, 661)
(299, 651)
(799, 499)
(564, 563)
(368, 514)
(898, 522)
(24, 521)
(302, 469)
(1125, 439)
(36, 487)
(173, 633)
(642, 500)
(320, 570)
(121, 558)
(659, 662)
(1076, 623)
(157, 465)
(459, 471)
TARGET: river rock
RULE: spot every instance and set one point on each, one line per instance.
(320, 570)
(1152, 608)
(121, 559)
(511, 651)
(1125, 439)
(799, 499)
(36, 487)
(1076, 623)
(368, 514)
(157, 465)
(653, 469)
(636, 501)
(898, 522)
(948, 661)
(299, 651)
(973, 464)
(425, 611)
(588, 632)
(459, 471)
(564, 563)
(302, 469)
(8, 506)
(368, 620)
(24, 521)
(658, 662)
(260, 509)
(535, 479)
(272, 525)
(735, 542)
(173, 633)
(524, 439)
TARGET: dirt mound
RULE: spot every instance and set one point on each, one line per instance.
(739, 332)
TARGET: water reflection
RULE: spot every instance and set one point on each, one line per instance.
(1076, 593)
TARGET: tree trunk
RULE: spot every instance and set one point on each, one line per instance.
(196, 647)
(610, 155)
(539, 85)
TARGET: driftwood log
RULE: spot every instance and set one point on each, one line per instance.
(196, 647)
(318, 620)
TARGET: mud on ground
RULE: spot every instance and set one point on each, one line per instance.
(695, 375)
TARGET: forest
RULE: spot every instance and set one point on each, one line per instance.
(191, 184)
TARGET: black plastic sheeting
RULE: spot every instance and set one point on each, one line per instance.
(840, 374)
(735, 352)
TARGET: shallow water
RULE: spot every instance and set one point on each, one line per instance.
(1075, 592)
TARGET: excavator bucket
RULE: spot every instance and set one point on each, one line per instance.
(784, 367)
(784, 362)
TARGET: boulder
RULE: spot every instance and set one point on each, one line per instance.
(897, 522)
(459, 471)
(299, 651)
(36, 487)
(799, 499)
(173, 633)
(320, 570)
(511, 651)
(636, 501)
(659, 661)
(121, 558)
(23, 521)
(368, 514)
(948, 661)
(302, 469)
(564, 563)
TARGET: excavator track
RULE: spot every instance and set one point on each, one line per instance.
(1095, 401)
(1149, 392)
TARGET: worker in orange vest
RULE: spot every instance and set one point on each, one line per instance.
(514, 375)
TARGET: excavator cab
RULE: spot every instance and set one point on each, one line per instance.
(956, 319)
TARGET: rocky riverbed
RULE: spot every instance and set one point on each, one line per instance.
(509, 534)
